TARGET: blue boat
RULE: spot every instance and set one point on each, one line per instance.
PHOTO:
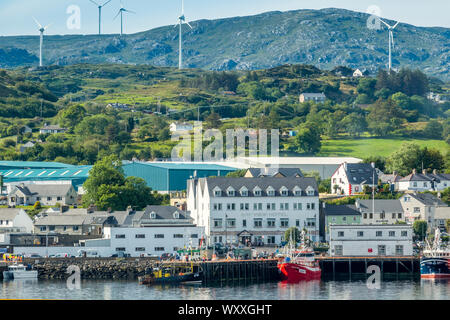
(435, 262)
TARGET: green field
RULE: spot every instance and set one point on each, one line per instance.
(362, 148)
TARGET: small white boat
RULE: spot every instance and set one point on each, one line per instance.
(19, 271)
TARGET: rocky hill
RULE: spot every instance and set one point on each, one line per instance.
(324, 38)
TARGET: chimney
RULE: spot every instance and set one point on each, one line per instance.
(394, 173)
(109, 210)
(90, 209)
(64, 209)
(130, 210)
(414, 171)
(439, 195)
(345, 166)
(424, 172)
(434, 171)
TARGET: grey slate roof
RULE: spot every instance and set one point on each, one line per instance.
(390, 178)
(45, 189)
(270, 172)
(9, 213)
(341, 210)
(162, 213)
(428, 199)
(438, 177)
(263, 183)
(60, 220)
(381, 205)
(360, 173)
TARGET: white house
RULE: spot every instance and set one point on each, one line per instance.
(358, 73)
(385, 211)
(255, 210)
(424, 181)
(46, 194)
(371, 240)
(315, 97)
(154, 231)
(15, 220)
(52, 129)
(180, 127)
(350, 178)
(26, 146)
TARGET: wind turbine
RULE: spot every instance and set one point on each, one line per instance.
(100, 6)
(181, 20)
(41, 43)
(121, 11)
(391, 41)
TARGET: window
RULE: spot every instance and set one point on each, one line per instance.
(257, 193)
(159, 248)
(38, 198)
(382, 250)
(120, 236)
(313, 206)
(382, 215)
(51, 228)
(399, 216)
(58, 198)
(194, 236)
(416, 209)
(399, 250)
(284, 222)
(284, 193)
(219, 206)
(215, 206)
(257, 223)
(178, 236)
(268, 206)
(75, 228)
(120, 249)
(360, 233)
(271, 239)
(43, 228)
(49, 198)
(365, 215)
(393, 216)
(344, 218)
(140, 236)
(404, 233)
(270, 192)
(271, 223)
(297, 223)
(64, 228)
(338, 250)
(379, 233)
(340, 233)
(244, 193)
(308, 206)
(370, 215)
(140, 249)
(231, 223)
(217, 193)
(230, 193)
(273, 206)
(298, 192)
(391, 233)
(217, 223)
(159, 236)
(259, 206)
(244, 223)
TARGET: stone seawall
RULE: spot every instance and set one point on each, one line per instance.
(92, 268)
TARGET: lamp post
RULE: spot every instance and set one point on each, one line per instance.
(226, 233)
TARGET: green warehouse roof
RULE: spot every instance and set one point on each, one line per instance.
(70, 173)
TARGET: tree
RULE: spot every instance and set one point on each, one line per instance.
(213, 121)
(308, 139)
(384, 117)
(292, 234)
(237, 174)
(355, 124)
(410, 156)
(71, 116)
(433, 130)
(420, 229)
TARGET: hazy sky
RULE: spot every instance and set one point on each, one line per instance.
(16, 15)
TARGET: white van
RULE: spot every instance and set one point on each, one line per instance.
(88, 253)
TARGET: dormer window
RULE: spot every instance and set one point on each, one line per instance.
(230, 192)
(257, 191)
(310, 191)
(217, 192)
(284, 191)
(270, 191)
(176, 215)
(297, 191)
(152, 215)
(244, 192)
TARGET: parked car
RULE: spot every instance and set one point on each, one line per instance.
(121, 255)
(167, 256)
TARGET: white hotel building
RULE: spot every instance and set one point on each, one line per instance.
(259, 210)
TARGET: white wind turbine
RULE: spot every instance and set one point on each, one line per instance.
(41, 43)
(121, 11)
(391, 41)
(100, 6)
(181, 20)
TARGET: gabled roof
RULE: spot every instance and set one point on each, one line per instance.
(425, 176)
(61, 220)
(52, 127)
(270, 172)
(313, 95)
(9, 213)
(427, 199)
(341, 210)
(45, 190)
(390, 178)
(360, 173)
(381, 205)
(263, 183)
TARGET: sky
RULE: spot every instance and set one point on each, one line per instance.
(16, 16)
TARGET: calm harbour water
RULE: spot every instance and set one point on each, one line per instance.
(316, 290)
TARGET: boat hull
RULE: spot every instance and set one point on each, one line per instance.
(435, 268)
(185, 278)
(11, 275)
(294, 272)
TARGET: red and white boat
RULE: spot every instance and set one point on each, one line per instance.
(299, 264)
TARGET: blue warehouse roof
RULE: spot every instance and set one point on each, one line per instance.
(70, 173)
(11, 165)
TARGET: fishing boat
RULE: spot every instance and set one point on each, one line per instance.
(435, 261)
(19, 271)
(298, 264)
(172, 273)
